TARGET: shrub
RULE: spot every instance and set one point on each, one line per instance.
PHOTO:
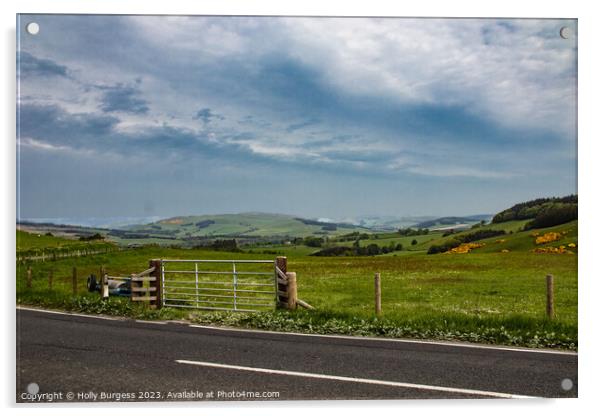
(335, 251)
(222, 245)
(465, 248)
(313, 241)
(463, 239)
(372, 249)
(480, 235)
(96, 236)
(546, 238)
(442, 248)
(204, 224)
(410, 231)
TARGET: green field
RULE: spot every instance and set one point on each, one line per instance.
(28, 241)
(37, 244)
(485, 295)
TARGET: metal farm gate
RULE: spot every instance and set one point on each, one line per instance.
(230, 285)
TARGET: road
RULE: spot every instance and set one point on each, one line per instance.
(81, 358)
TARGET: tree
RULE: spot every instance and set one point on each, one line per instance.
(96, 236)
(414, 242)
(372, 249)
(313, 241)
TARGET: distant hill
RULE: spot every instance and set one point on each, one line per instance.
(245, 225)
(447, 221)
(543, 212)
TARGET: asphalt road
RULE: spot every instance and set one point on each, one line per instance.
(79, 358)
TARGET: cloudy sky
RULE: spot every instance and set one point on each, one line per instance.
(319, 117)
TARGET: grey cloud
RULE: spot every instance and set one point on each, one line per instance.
(96, 132)
(206, 116)
(123, 98)
(30, 65)
(298, 126)
(52, 123)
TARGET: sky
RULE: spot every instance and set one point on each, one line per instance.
(140, 116)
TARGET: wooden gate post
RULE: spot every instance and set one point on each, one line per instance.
(157, 284)
(291, 283)
(282, 287)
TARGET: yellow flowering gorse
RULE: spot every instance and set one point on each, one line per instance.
(464, 248)
(547, 238)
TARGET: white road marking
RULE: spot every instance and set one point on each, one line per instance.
(358, 380)
(106, 318)
(408, 341)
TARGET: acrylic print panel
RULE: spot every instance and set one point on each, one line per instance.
(399, 193)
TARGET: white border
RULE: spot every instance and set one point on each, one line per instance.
(589, 171)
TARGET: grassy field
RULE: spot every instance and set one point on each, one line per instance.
(28, 241)
(485, 296)
(31, 245)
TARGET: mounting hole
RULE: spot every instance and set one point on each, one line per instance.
(565, 32)
(566, 384)
(33, 388)
(32, 28)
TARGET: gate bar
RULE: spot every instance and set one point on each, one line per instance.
(219, 261)
(220, 283)
(208, 272)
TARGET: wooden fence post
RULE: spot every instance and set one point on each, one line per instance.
(377, 294)
(550, 296)
(104, 286)
(50, 280)
(74, 280)
(282, 287)
(157, 284)
(29, 277)
(291, 290)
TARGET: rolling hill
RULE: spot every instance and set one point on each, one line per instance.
(520, 225)
(246, 226)
(544, 212)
